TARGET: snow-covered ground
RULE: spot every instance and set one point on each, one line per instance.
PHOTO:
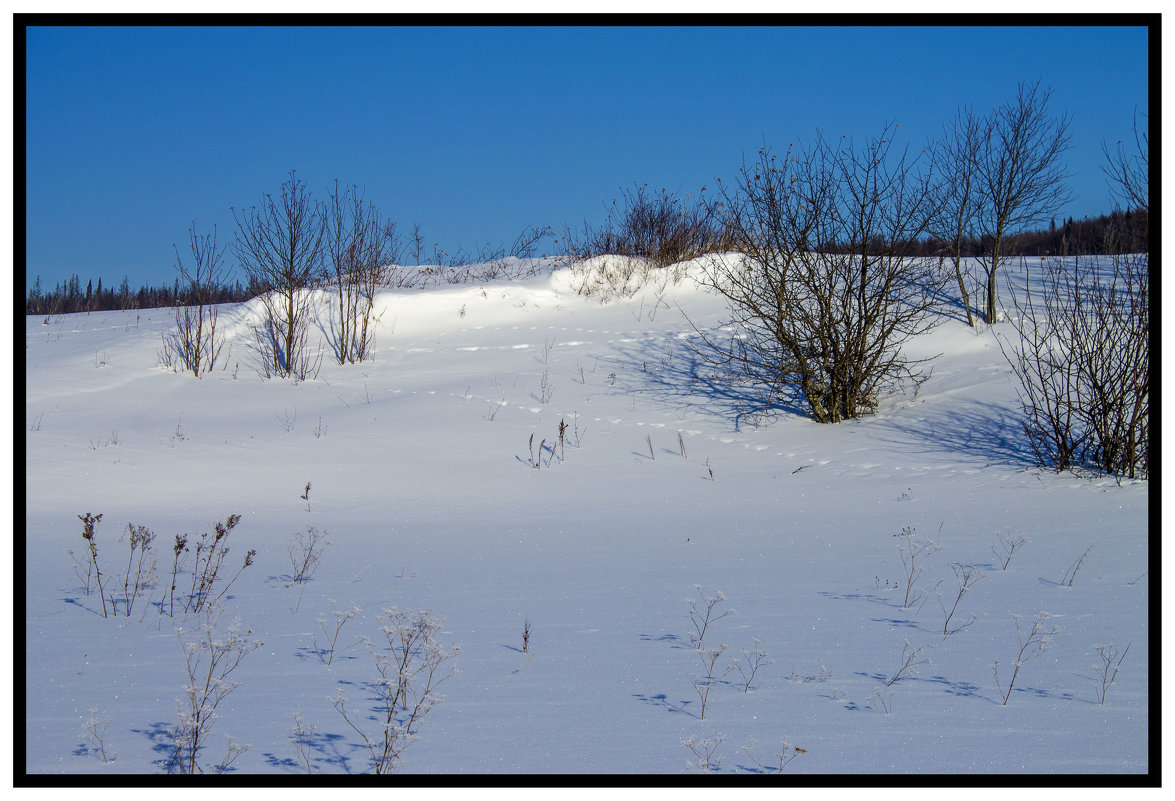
(419, 466)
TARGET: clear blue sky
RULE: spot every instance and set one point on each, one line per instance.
(476, 133)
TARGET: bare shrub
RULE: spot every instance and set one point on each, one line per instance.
(753, 659)
(705, 753)
(210, 657)
(94, 734)
(209, 559)
(341, 617)
(1081, 357)
(658, 226)
(359, 248)
(279, 245)
(966, 577)
(195, 345)
(140, 568)
(787, 752)
(1033, 644)
(913, 553)
(1110, 662)
(911, 657)
(825, 290)
(306, 551)
(409, 672)
(1009, 544)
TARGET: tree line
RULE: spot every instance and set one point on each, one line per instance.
(70, 297)
(1110, 234)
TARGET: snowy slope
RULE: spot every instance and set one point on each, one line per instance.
(419, 465)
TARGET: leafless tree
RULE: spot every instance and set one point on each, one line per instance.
(279, 245)
(1128, 171)
(417, 243)
(1020, 172)
(196, 343)
(360, 251)
(955, 165)
(824, 292)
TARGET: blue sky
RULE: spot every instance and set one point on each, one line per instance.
(476, 133)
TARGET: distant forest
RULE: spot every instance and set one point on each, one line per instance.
(1118, 232)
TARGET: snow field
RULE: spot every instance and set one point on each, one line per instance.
(419, 465)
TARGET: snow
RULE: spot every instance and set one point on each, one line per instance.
(420, 474)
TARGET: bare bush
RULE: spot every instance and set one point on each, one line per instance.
(210, 657)
(279, 245)
(306, 551)
(825, 292)
(1081, 357)
(966, 577)
(360, 247)
(341, 617)
(209, 559)
(1109, 663)
(196, 343)
(706, 759)
(140, 568)
(913, 553)
(1009, 544)
(660, 226)
(787, 752)
(911, 657)
(94, 733)
(410, 670)
(1033, 644)
(1082, 354)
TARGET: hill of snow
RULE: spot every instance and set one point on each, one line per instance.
(421, 476)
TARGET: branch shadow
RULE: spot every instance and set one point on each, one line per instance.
(859, 596)
(910, 624)
(662, 701)
(326, 746)
(675, 373)
(674, 640)
(162, 742)
(82, 606)
(974, 428)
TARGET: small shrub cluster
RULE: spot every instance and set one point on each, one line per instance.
(141, 579)
(660, 227)
(557, 447)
